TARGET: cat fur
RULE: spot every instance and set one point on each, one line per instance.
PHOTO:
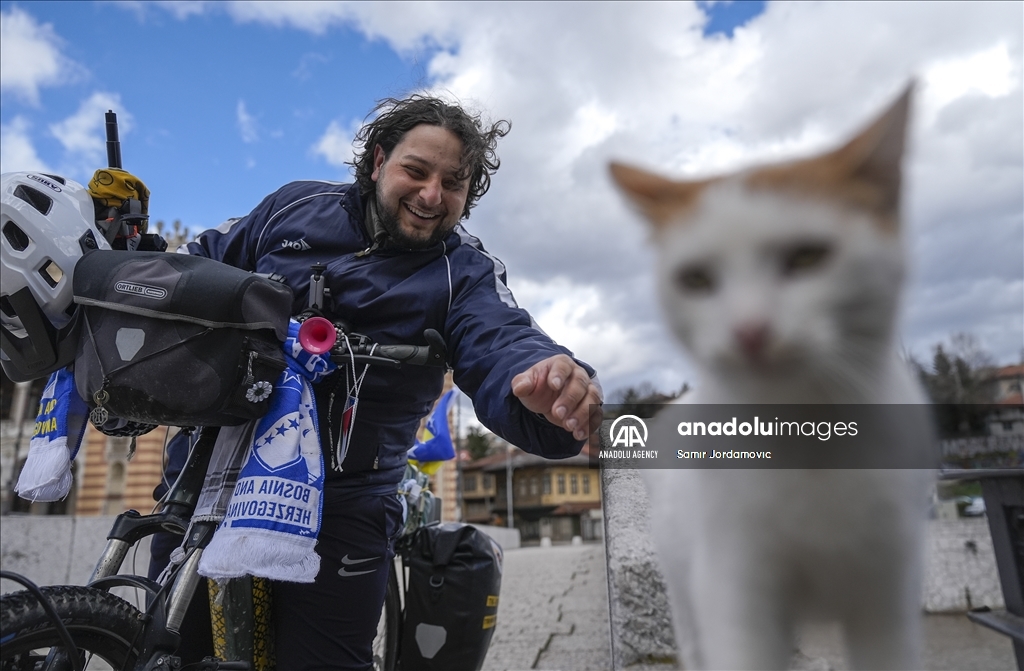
(748, 554)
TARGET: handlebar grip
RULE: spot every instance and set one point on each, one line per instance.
(317, 335)
(410, 354)
(433, 354)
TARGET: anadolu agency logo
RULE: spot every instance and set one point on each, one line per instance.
(629, 431)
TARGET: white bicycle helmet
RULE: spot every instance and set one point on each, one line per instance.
(48, 223)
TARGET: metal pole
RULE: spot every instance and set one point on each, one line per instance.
(508, 484)
(458, 460)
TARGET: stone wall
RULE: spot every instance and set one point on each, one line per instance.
(62, 550)
(638, 610)
(960, 572)
(507, 538)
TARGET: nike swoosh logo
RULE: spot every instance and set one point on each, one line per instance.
(346, 574)
(347, 561)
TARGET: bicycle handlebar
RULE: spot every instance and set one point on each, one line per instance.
(414, 355)
(317, 335)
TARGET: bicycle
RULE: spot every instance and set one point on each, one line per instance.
(109, 628)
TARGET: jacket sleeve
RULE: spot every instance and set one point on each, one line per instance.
(491, 340)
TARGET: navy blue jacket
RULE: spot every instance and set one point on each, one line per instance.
(392, 295)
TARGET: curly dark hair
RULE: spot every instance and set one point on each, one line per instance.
(395, 117)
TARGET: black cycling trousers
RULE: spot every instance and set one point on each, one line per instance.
(330, 623)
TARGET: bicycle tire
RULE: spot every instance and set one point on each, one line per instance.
(385, 644)
(101, 624)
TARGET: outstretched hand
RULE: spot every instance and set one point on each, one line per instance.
(562, 391)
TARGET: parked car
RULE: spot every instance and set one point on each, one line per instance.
(971, 506)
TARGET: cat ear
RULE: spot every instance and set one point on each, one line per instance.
(874, 156)
(661, 200)
(864, 173)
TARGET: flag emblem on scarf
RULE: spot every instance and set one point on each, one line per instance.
(436, 444)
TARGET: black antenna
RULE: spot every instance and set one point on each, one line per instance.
(113, 142)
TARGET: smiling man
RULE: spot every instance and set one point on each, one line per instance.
(421, 191)
(398, 261)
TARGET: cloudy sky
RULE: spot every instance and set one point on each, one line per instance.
(221, 103)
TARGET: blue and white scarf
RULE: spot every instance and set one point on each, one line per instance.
(271, 518)
(58, 433)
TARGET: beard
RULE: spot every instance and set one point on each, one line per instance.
(389, 220)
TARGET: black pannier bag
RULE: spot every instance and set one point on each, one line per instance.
(177, 340)
(451, 603)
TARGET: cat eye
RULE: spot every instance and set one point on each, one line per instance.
(697, 280)
(804, 257)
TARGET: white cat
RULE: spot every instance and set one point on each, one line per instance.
(782, 283)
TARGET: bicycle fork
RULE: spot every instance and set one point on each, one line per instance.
(167, 601)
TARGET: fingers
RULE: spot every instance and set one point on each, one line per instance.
(562, 391)
(585, 417)
(572, 405)
(561, 368)
(525, 384)
(576, 394)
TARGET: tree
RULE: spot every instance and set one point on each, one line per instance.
(478, 443)
(176, 237)
(642, 400)
(958, 385)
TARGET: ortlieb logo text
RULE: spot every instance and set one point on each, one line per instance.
(137, 289)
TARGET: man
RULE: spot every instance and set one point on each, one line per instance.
(398, 262)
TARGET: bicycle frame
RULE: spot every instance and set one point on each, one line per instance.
(168, 598)
(169, 601)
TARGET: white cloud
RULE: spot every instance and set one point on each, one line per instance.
(307, 65)
(179, 9)
(406, 26)
(17, 152)
(30, 56)
(183, 9)
(990, 72)
(313, 17)
(798, 79)
(335, 145)
(247, 124)
(586, 82)
(579, 317)
(83, 133)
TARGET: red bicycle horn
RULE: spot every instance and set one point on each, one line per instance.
(317, 335)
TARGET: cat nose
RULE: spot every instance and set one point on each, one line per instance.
(752, 338)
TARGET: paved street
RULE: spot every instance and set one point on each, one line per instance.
(553, 616)
(553, 613)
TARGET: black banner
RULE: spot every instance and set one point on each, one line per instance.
(793, 436)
